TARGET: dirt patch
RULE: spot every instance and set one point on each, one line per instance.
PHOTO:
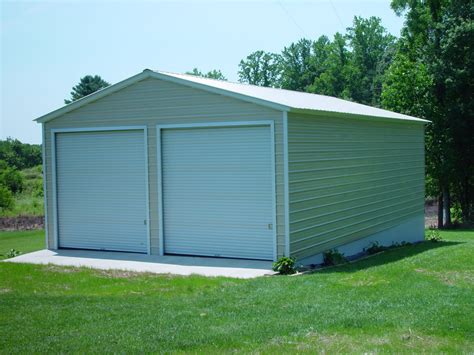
(21, 223)
(450, 278)
(61, 269)
(122, 274)
(431, 213)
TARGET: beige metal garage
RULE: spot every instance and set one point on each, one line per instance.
(164, 163)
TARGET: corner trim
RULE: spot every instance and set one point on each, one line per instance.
(286, 184)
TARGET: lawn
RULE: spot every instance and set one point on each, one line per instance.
(413, 299)
(24, 241)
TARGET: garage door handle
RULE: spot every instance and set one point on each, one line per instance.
(144, 222)
(270, 226)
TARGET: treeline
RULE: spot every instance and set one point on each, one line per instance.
(427, 73)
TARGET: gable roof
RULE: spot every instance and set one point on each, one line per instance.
(279, 99)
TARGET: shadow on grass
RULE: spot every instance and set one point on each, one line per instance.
(388, 256)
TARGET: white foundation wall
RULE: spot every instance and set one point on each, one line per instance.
(411, 231)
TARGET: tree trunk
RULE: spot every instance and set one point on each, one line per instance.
(446, 208)
(440, 211)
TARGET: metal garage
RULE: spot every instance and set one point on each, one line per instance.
(164, 163)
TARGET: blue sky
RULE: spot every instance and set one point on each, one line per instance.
(47, 46)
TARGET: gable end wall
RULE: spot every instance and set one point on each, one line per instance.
(151, 102)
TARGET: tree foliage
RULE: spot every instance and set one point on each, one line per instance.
(213, 74)
(437, 44)
(349, 66)
(372, 48)
(261, 68)
(20, 155)
(87, 85)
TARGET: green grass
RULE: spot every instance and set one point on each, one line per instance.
(23, 241)
(29, 202)
(413, 299)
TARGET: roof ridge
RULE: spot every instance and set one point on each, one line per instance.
(248, 84)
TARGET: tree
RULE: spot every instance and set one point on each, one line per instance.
(213, 74)
(20, 155)
(296, 73)
(372, 48)
(261, 68)
(87, 85)
(438, 34)
(332, 77)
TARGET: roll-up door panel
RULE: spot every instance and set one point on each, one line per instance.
(218, 191)
(101, 190)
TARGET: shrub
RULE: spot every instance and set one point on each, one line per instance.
(433, 236)
(37, 188)
(375, 248)
(6, 199)
(12, 179)
(333, 257)
(285, 266)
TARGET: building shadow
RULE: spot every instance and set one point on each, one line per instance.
(387, 257)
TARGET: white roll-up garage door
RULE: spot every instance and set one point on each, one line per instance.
(218, 192)
(101, 190)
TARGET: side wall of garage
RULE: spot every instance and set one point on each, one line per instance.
(350, 179)
(151, 102)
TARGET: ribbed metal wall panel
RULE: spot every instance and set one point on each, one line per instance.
(349, 179)
(101, 190)
(217, 191)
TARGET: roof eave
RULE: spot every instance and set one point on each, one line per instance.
(321, 113)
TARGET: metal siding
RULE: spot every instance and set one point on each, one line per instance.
(151, 102)
(101, 190)
(349, 179)
(217, 191)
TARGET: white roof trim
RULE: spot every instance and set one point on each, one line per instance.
(278, 99)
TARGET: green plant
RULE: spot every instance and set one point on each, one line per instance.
(12, 179)
(433, 235)
(375, 248)
(6, 199)
(333, 257)
(12, 253)
(398, 245)
(285, 266)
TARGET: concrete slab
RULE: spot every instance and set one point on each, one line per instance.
(177, 265)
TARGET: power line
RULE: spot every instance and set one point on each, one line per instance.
(292, 18)
(337, 14)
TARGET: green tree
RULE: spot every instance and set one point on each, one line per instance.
(261, 68)
(332, 66)
(296, 66)
(438, 34)
(372, 49)
(20, 155)
(213, 74)
(87, 85)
